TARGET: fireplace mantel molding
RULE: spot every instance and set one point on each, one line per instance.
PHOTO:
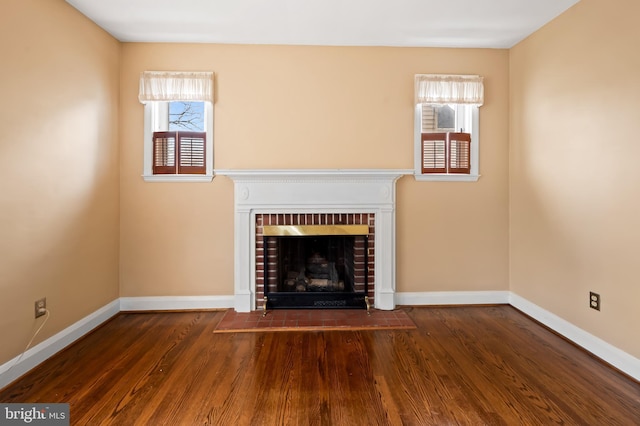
(314, 191)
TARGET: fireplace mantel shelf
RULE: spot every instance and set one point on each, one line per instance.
(314, 191)
(305, 174)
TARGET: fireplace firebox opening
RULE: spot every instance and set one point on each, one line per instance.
(316, 266)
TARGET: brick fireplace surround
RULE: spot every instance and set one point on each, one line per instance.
(316, 219)
(320, 193)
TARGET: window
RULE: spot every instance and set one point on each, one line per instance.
(178, 128)
(445, 150)
(446, 130)
(180, 146)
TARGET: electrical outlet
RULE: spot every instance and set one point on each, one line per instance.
(594, 300)
(41, 307)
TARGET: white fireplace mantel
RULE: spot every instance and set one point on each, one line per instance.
(314, 191)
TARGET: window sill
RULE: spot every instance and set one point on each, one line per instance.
(446, 178)
(177, 178)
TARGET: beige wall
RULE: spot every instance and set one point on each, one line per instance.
(574, 175)
(313, 107)
(58, 168)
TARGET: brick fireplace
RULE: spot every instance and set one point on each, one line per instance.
(344, 240)
(304, 197)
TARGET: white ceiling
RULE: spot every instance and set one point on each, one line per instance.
(420, 23)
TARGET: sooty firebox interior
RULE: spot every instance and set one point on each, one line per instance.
(316, 266)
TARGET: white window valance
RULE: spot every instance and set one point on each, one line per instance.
(176, 86)
(449, 89)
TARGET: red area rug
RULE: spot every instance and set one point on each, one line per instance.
(313, 319)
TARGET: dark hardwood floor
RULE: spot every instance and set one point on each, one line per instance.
(461, 366)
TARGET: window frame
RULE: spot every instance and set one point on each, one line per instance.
(153, 111)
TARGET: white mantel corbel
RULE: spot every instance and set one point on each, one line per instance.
(314, 191)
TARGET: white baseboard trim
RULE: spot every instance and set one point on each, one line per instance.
(47, 348)
(619, 359)
(175, 303)
(453, 298)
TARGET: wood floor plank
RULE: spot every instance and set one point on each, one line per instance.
(575, 380)
(488, 365)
